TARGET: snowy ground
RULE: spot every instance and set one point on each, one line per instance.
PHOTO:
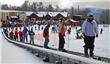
(11, 54)
(102, 43)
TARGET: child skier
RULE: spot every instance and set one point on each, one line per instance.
(46, 36)
(31, 33)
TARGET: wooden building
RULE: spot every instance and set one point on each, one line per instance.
(72, 22)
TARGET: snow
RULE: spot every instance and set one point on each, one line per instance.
(51, 13)
(75, 58)
(11, 54)
(28, 13)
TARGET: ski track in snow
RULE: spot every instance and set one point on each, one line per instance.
(12, 54)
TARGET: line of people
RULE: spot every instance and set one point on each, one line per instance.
(20, 35)
(89, 30)
(61, 34)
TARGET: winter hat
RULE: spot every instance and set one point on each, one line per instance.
(89, 15)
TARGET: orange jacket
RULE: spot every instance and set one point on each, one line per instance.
(62, 33)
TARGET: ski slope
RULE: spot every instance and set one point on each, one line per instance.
(11, 54)
(102, 43)
(61, 55)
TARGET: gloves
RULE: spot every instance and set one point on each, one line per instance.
(97, 35)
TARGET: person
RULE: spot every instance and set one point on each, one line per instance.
(35, 28)
(39, 25)
(53, 29)
(25, 35)
(89, 30)
(61, 33)
(46, 36)
(20, 35)
(5, 31)
(11, 34)
(101, 31)
(69, 30)
(42, 28)
(31, 33)
(16, 34)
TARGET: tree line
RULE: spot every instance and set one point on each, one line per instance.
(40, 6)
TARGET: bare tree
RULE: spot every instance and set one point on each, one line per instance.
(25, 6)
(104, 17)
(57, 8)
(84, 12)
(40, 6)
(33, 7)
(50, 8)
(5, 7)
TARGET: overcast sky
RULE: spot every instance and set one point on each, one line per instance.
(64, 3)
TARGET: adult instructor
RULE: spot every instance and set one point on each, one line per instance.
(90, 31)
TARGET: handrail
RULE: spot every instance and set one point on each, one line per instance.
(80, 59)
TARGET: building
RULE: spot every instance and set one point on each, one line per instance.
(72, 22)
(49, 15)
(8, 14)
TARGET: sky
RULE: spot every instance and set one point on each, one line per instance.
(12, 2)
(63, 3)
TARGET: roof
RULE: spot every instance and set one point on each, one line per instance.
(72, 20)
(14, 17)
(33, 15)
(28, 13)
(65, 14)
(41, 14)
(52, 14)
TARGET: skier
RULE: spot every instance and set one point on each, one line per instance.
(101, 31)
(39, 25)
(53, 29)
(89, 30)
(42, 28)
(35, 28)
(5, 31)
(61, 33)
(16, 34)
(69, 30)
(11, 34)
(20, 35)
(31, 33)
(25, 35)
(46, 36)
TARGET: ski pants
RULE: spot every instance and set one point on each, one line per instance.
(89, 44)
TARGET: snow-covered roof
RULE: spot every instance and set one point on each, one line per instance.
(53, 13)
(65, 14)
(41, 14)
(14, 17)
(73, 20)
(28, 13)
